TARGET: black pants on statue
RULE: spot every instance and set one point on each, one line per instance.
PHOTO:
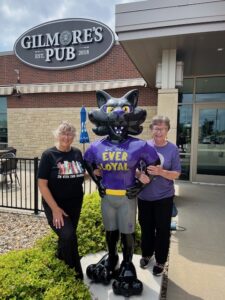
(67, 238)
(155, 220)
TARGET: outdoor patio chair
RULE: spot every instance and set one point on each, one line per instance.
(7, 150)
(11, 150)
(8, 167)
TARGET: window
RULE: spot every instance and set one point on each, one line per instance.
(186, 92)
(184, 130)
(210, 89)
(3, 122)
(184, 125)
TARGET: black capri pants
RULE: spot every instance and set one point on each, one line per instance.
(67, 237)
(155, 221)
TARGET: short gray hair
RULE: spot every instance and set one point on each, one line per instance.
(64, 127)
(157, 120)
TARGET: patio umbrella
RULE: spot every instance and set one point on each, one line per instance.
(84, 138)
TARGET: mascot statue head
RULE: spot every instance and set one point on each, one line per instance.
(117, 117)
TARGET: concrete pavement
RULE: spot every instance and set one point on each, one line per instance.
(197, 255)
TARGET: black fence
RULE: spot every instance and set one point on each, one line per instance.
(19, 187)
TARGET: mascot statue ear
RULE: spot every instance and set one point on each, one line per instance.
(102, 97)
(132, 97)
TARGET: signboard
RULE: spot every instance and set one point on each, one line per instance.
(64, 44)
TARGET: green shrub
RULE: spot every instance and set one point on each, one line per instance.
(90, 231)
(36, 273)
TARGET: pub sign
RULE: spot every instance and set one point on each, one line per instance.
(64, 44)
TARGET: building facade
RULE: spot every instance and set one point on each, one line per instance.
(34, 101)
(178, 46)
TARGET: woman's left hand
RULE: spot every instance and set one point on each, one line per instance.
(154, 170)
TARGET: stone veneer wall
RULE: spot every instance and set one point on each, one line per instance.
(168, 106)
(30, 129)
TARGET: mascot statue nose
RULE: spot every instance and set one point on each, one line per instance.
(118, 111)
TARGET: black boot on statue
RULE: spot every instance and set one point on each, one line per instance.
(105, 269)
(127, 283)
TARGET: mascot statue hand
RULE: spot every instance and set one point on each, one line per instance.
(101, 189)
(117, 155)
(133, 191)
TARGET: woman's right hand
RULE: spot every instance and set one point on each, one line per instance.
(57, 215)
(143, 178)
(57, 212)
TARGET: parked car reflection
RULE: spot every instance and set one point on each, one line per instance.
(211, 139)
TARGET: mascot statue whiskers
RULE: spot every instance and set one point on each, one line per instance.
(117, 156)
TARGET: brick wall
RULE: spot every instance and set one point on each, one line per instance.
(146, 97)
(114, 65)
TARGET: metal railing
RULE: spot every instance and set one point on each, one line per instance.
(19, 188)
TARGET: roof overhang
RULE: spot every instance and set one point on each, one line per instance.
(195, 28)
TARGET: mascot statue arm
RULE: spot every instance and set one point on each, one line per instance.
(133, 191)
(90, 167)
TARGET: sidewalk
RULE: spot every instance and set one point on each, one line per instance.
(197, 255)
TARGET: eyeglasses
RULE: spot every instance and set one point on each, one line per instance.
(67, 134)
(160, 129)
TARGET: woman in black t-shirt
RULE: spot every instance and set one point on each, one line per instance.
(60, 178)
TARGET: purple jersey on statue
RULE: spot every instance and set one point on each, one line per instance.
(119, 162)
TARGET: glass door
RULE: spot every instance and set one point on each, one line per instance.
(3, 123)
(209, 144)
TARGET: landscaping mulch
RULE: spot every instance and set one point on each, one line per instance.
(19, 231)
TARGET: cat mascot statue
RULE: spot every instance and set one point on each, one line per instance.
(117, 156)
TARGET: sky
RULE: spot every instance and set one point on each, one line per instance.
(18, 16)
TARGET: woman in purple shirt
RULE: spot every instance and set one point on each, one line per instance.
(155, 201)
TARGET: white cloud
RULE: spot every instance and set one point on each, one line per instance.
(18, 16)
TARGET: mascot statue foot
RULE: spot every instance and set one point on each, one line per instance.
(127, 283)
(104, 270)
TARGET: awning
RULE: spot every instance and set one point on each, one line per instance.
(6, 90)
(79, 86)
